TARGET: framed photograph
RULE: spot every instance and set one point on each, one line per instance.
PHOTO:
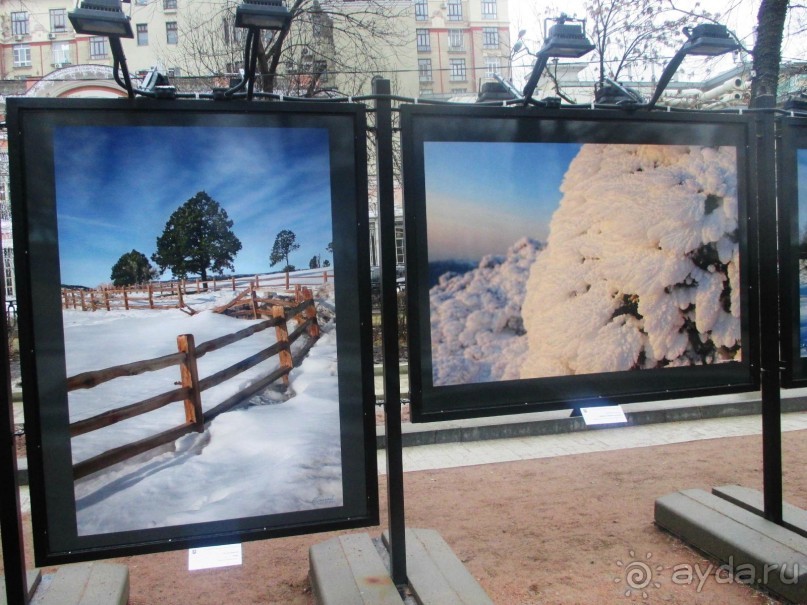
(568, 258)
(792, 215)
(194, 322)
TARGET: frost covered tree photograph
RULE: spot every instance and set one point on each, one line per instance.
(198, 384)
(560, 259)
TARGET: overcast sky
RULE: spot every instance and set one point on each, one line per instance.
(117, 193)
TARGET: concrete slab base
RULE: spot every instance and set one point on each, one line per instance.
(753, 549)
(436, 576)
(350, 569)
(793, 518)
(85, 584)
(34, 576)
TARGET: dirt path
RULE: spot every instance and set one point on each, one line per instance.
(553, 531)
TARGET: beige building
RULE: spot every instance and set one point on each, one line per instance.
(443, 48)
(460, 44)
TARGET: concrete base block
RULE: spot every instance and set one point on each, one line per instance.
(436, 576)
(34, 576)
(755, 550)
(86, 584)
(793, 518)
(348, 569)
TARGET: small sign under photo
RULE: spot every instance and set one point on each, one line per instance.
(610, 414)
(210, 557)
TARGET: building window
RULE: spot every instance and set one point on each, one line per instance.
(142, 34)
(421, 10)
(454, 10)
(171, 33)
(488, 9)
(455, 39)
(97, 47)
(19, 23)
(169, 5)
(8, 266)
(400, 248)
(60, 53)
(423, 40)
(457, 67)
(174, 72)
(425, 70)
(459, 91)
(490, 37)
(491, 66)
(22, 55)
(425, 92)
(58, 20)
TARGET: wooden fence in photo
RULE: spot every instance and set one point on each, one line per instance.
(190, 387)
(171, 294)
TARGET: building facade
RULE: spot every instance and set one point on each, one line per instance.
(460, 44)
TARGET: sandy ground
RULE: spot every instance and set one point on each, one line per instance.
(564, 530)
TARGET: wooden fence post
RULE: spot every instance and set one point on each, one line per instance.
(311, 313)
(181, 300)
(125, 299)
(190, 380)
(83, 304)
(151, 296)
(325, 276)
(64, 299)
(92, 300)
(287, 280)
(106, 299)
(253, 294)
(282, 333)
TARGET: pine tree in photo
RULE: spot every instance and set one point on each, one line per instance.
(285, 244)
(132, 268)
(197, 239)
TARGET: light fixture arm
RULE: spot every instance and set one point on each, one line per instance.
(119, 65)
(541, 60)
(666, 76)
(253, 61)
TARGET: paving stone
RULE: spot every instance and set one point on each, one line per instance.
(793, 518)
(87, 584)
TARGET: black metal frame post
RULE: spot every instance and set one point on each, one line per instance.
(389, 327)
(769, 312)
(10, 515)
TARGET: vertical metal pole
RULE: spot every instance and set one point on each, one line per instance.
(769, 312)
(10, 517)
(389, 327)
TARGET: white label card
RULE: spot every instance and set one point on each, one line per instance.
(610, 414)
(209, 557)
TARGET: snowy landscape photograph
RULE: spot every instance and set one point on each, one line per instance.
(560, 259)
(198, 283)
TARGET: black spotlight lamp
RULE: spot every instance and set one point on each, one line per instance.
(566, 39)
(106, 18)
(706, 40)
(255, 15)
(262, 14)
(101, 18)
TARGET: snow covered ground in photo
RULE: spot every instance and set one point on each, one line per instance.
(476, 319)
(280, 453)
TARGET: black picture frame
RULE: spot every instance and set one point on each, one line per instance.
(422, 124)
(34, 125)
(790, 197)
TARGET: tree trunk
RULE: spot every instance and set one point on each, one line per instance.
(768, 52)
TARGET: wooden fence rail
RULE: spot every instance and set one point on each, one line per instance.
(171, 295)
(190, 391)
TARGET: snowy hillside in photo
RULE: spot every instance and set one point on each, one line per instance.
(476, 319)
(641, 267)
(279, 452)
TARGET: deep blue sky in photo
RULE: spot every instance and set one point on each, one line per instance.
(483, 197)
(117, 186)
